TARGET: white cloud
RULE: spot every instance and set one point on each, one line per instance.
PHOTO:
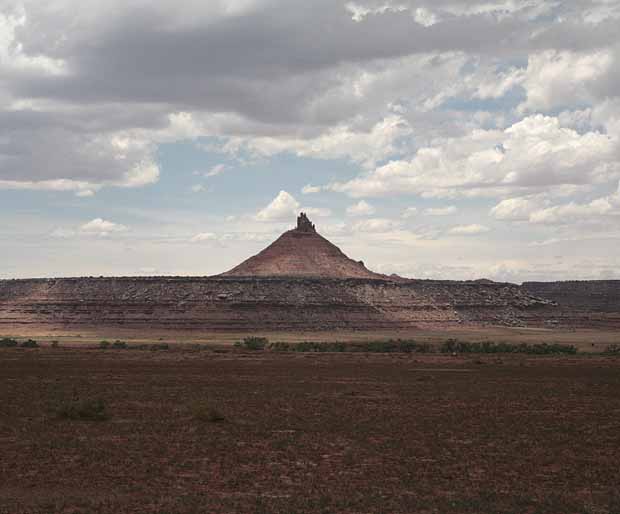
(376, 225)
(424, 17)
(560, 78)
(199, 188)
(538, 209)
(569, 213)
(342, 141)
(310, 189)
(440, 211)
(283, 207)
(468, 230)
(203, 236)
(532, 154)
(515, 209)
(63, 233)
(409, 212)
(216, 170)
(361, 208)
(102, 227)
(321, 212)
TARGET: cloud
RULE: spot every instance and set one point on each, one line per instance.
(283, 207)
(204, 236)
(63, 233)
(361, 91)
(569, 213)
(216, 170)
(321, 212)
(310, 189)
(376, 225)
(361, 208)
(515, 209)
(540, 209)
(562, 78)
(440, 211)
(101, 227)
(199, 188)
(340, 142)
(409, 212)
(532, 154)
(468, 230)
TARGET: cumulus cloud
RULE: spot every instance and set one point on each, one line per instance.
(543, 209)
(533, 154)
(203, 236)
(376, 225)
(341, 142)
(440, 211)
(309, 189)
(283, 207)
(361, 208)
(409, 212)
(515, 209)
(574, 212)
(101, 227)
(469, 230)
(562, 78)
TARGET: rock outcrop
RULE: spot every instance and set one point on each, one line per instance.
(579, 303)
(302, 252)
(255, 303)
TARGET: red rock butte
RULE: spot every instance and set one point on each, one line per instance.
(302, 252)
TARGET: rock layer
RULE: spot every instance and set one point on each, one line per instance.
(230, 303)
(580, 303)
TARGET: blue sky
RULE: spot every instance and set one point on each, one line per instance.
(442, 139)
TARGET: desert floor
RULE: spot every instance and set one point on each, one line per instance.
(223, 430)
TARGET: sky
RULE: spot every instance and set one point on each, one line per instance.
(440, 139)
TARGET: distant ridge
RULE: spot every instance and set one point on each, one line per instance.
(302, 252)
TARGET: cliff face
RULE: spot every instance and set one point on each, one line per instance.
(580, 303)
(229, 303)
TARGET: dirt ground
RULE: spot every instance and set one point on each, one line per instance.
(309, 433)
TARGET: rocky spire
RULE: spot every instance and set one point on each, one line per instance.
(304, 224)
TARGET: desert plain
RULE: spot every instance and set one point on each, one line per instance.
(221, 429)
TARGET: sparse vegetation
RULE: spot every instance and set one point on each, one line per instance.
(87, 409)
(409, 346)
(613, 349)
(7, 342)
(253, 343)
(391, 346)
(122, 345)
(29, 343)
(455, 346)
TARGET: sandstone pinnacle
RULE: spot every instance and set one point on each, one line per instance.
(302, 252)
